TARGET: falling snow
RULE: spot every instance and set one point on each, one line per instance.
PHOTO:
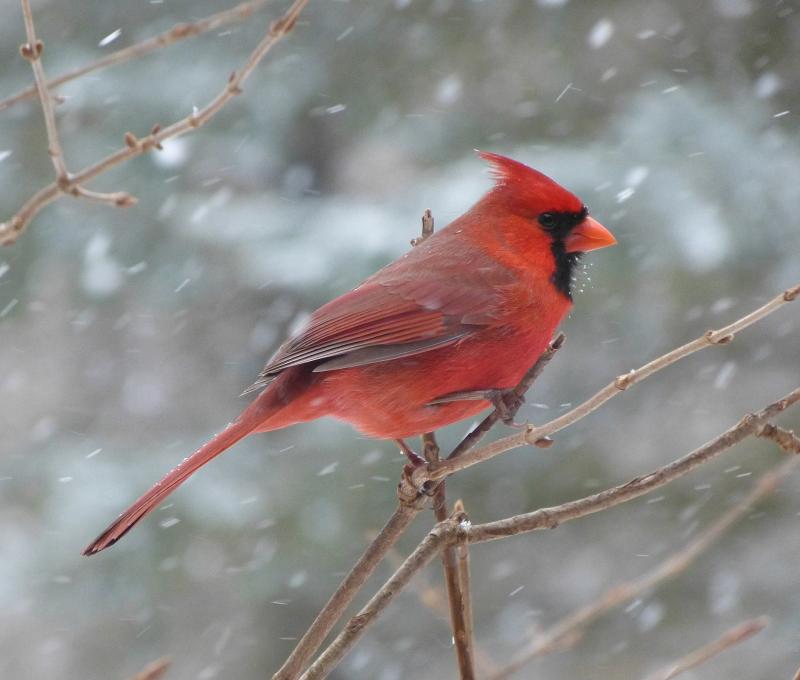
(111, 37)
(448, 91)
(600, 34)
(725, 375)
(102, 274)
(127, 334)
(328, 469)
(767, 85)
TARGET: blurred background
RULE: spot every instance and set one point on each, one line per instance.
(127, 335)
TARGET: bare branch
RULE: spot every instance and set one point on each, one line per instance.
(154, 670)
(32, 51)
(10, 230)
(120, 199)
(347, 590)
(549, 518)
(434, 599)
(178, 32)
(532, 434)
(447, 532)
(570, 627)
(417, 560)
(464, 579)
(427, 228)
(733, 637)
(457, 596)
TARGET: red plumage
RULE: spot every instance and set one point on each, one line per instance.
(469, 309)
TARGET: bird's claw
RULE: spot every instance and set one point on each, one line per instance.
(413, 457)
(415, 461)
(506, 402)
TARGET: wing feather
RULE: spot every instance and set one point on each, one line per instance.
(392, 315)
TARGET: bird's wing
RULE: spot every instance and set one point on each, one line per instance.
(387, 318)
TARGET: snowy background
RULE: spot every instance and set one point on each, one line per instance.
(127, 335)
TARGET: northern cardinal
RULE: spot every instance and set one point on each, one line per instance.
(431, 338)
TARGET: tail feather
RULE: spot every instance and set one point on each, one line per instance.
(150, 500)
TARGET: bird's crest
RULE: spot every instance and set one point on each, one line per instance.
(505, 170)
(528, 188)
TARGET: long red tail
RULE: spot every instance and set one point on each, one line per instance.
(267, 412)
(174, 478)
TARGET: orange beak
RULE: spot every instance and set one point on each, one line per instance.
(588, 235)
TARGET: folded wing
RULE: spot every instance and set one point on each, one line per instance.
(386, 319)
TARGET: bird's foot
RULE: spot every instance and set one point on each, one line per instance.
(506, 402)
(413, 457)
(414, 461)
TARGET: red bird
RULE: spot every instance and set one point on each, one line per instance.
(431, 338)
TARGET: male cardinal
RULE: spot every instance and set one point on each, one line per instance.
(430, 339)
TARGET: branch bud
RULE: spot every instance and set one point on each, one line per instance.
(31, 52)
(125, 200)
(623, 382)
(724, 340)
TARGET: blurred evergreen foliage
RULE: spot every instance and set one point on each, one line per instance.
(127, 334)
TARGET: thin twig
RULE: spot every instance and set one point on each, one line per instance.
(532, 434)
(120, 199)
(356, 626)
(462, 555)
(447, 532)
(154, 670)
(431, 596)
(11, 230)
(457, 597)
(435, 600)
(549, 518)
(733, 637)
(178, 32)
(427, 228)
(347, 590)
(570, 627)
(409, 483)
(32, 51)
(524, 385)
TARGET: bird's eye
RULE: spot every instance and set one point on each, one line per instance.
(547, 220)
